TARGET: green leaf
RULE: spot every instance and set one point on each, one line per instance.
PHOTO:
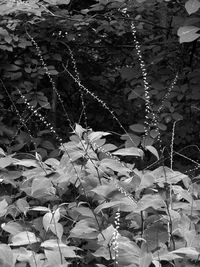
(41, 208)
(125, 204)
(105, 190)
(42, 187)
(12, 227)
(192, 6)
(147, 180)
(6, 256)
(114, 165)
(145, 256)
(3, 207)
(27, 163)
(22, 205)
(188, 34)
(166, 175)
(129, 252)
(153, 151)
(50, 218)
(84, 211)
(94, 136)
(189, 251)
(138, 128)
(129, 151)
(154, 235)
(105, 237)
(57, 2)
(67, 251)
(154, 201)
(24, 238)
(6, 161)
(85, 229)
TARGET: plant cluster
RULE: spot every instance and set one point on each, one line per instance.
(71, 196)
(92, 209)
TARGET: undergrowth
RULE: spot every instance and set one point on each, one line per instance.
(90, 205)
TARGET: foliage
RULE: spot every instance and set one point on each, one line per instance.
(100, 38)
(62, 212)
(71, 196)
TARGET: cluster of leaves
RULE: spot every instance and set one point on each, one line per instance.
(61, 212)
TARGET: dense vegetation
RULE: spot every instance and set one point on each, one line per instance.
(99, 133)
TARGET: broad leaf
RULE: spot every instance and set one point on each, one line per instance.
(154, 201)
(188, 34)
(24, 238)
(12, 227)
(192, 6)
(85, 229)
(155, 235)
(6, 256)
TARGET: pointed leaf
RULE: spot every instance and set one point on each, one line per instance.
(153, 151)
(130, 151)
(190, 251)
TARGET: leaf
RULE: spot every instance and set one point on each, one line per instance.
(105, 237)
(114, 165)
(125, 204)
(12, 227)
(40, 208)
(153, 151)
(57, 2)
(84, 211)
(85, 229)
(65, 249)
(2, 153)
(3, 207)
(27, 163)
(6, 256)
(147, 180)
(128, 251)
(24, 238)
(154, 201)
(6, 161)
(22, 205)
(138, 128)
(130, 151)
(154, 235)
(190, 251)
(166, 175)
(104, 190)
(57, 229)
(145, 256)
(42, 187)
(94, 136)
(188, 34)
(108, 147)
(54, 258)
(192, 6)
(79, 130)
(50, 218)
